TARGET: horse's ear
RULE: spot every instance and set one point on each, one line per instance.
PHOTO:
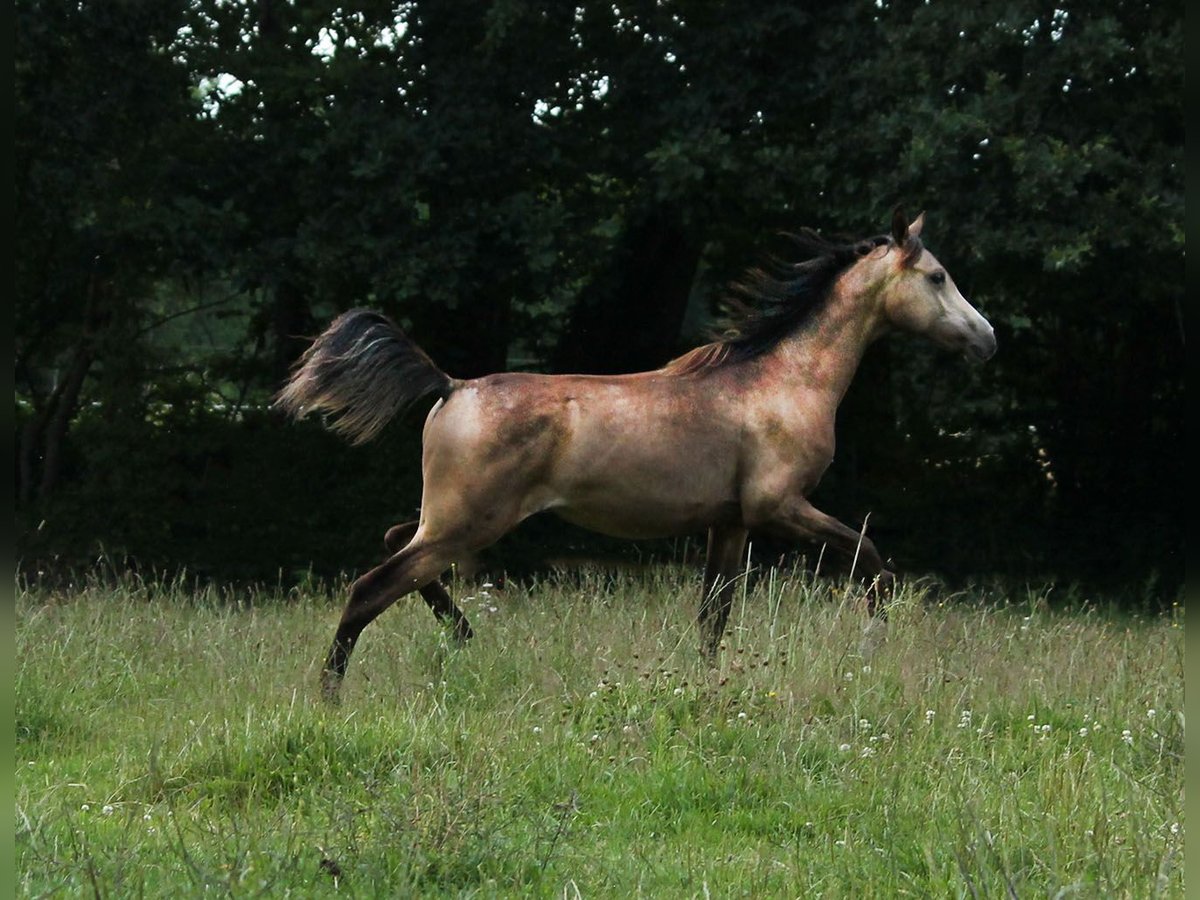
(914, 230)
(899, 226)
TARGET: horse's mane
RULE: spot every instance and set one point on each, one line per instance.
(778, 298)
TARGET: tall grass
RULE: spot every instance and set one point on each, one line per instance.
(171, 741)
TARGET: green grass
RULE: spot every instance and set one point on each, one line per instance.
(172, 742)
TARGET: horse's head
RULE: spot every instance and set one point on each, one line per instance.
(918, 295)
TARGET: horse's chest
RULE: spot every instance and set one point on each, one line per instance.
(787, 456)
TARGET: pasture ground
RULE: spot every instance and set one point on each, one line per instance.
(170, 741)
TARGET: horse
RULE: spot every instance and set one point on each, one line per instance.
(732, 436)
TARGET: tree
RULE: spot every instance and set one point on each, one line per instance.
(104, 123)
(570, 188)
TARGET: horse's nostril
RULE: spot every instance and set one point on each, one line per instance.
(985, 349)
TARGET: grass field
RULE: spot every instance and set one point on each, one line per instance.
(171, 742)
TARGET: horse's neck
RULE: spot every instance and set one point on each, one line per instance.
(823, 356)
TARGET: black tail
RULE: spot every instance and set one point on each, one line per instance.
(364, 370)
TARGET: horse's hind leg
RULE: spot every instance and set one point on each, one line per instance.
(724, 560)
(435, 595)
(417, 565)
(398, 536)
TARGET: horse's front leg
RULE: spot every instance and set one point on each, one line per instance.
(800, 519)
(722, 564)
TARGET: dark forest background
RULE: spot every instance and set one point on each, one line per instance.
(567, 187)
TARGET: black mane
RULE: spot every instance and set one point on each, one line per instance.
(778, 298)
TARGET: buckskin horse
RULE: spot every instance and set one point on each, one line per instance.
(730, 437)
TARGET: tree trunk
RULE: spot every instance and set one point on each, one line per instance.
(59, 419)
(291, 326)
(44, 434)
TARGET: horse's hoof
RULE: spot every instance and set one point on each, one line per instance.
(331, 686)
(873, 634)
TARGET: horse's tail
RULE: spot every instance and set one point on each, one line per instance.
(363, 370)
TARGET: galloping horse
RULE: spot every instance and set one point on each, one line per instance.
(729, 437)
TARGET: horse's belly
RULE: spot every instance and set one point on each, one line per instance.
(645, 485)
(641, 517)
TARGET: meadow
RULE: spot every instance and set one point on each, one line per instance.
(170, 740)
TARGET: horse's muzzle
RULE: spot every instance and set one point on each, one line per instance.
(981, 348)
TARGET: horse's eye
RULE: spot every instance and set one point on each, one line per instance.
(938, 277)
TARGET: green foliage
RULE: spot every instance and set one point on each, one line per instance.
(200, 185)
